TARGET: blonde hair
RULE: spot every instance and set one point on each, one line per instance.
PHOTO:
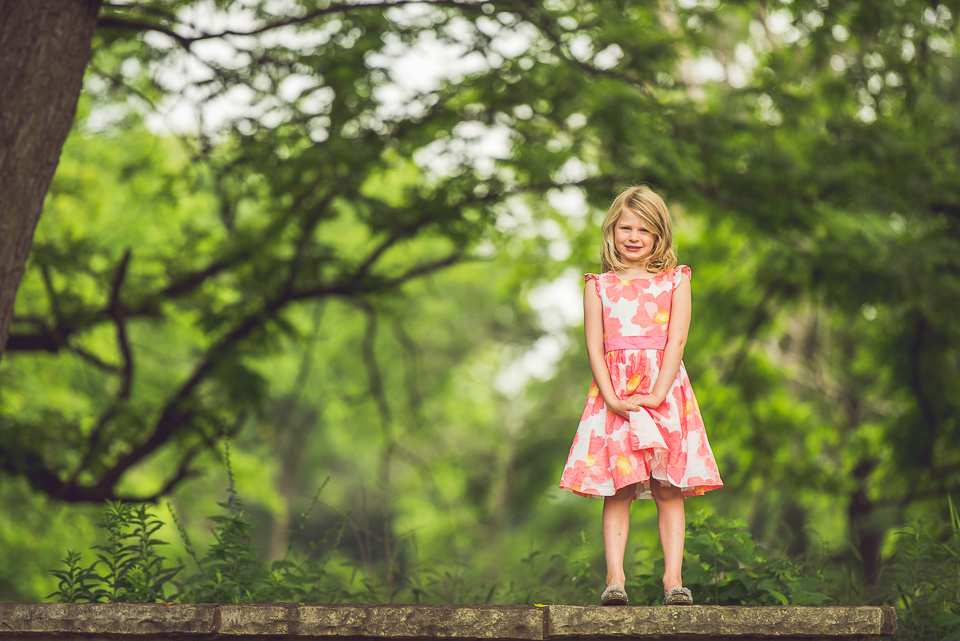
(650, 208)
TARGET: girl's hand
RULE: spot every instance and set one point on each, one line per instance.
(646, 400)
(623, 407)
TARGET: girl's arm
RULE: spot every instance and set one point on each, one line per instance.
(593, 331)
(673, 351)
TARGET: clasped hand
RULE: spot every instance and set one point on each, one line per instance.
(633, 403)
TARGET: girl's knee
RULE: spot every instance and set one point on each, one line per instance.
(664, 491)
(625, 493)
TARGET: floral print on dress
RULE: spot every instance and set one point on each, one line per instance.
(667, 443)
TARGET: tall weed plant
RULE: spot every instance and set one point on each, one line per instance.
(922, 580)
(129, 567)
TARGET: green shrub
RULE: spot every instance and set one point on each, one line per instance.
(128, 567)
(923, 579)
(723, 565)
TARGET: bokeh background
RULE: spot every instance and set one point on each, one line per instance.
(348, 241)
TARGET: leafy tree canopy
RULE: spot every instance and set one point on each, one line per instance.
(809, 148)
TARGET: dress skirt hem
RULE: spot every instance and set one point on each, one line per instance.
(649, 448)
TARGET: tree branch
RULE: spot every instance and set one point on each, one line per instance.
(95, 360)
(111, 22)
(183, 473)
(374, 376)
(116, 312)
(187, 41)
(174, 415)
(543, 27)
(411, 364)
(53, 339)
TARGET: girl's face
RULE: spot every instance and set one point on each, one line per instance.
(632, 239)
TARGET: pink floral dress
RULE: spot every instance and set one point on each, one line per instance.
(667, 443)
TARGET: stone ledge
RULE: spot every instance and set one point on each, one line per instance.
(383, 621)
(183, 622)
(713, 621)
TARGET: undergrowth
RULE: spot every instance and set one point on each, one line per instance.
(922, 581)
(130, 568)
(723, 565)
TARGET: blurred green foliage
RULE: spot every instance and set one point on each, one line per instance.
(354, 291)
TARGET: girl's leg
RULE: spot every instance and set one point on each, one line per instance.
(616, 526)
(670, 518)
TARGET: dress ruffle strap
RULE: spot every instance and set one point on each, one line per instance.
(596, 281)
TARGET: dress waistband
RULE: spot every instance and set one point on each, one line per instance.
(634, 342)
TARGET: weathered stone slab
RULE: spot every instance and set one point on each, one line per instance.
(384, 621)
(714, 622)
(131, 619)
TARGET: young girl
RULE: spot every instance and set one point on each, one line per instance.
(641, 434)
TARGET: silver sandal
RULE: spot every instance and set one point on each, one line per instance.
(677, 596)
(614, 595)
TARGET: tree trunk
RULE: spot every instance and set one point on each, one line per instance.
(44, 49)
(865, 532)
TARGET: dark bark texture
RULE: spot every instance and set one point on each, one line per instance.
(44, 49)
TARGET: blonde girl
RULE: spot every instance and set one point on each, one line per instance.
(641, 435)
